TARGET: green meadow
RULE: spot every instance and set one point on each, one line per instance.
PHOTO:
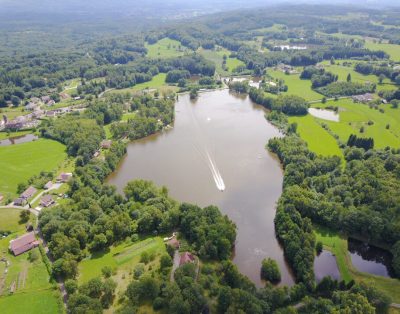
(343, 71)
(296, 86)
(165, 48)
(337, 244)
(122, 259)
(157, 82)
(383, 127)
(217, 56)
(318, 139)
(20, 162)
(392, 50)
(33, 291)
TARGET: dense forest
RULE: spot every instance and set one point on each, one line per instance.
(357, 195)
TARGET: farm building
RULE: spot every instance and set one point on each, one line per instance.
(23, 244)
(64, 177)
(46, 201)
(28, 193)
(48, 185)
(186, 258)
(19, 202)
(174, 242)
(106, 144)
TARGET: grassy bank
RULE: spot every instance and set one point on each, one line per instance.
(337, 244)
(383, 127)
(296, 86)
(318, 139)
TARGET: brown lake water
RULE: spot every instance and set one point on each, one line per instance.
(215, 154)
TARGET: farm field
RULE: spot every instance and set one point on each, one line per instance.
(353, 116)
(33, 293)
(217, 56)
(157, 82)
(20, 162)
(337, 244)
(343, 71)
(392, 50)
(296, 86)
(318, 139)
(122, 259)
(165, 48)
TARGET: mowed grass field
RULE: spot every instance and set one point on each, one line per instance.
(318, 139)
(296, 86)
(353, 116)
(217, 56)
(20, 162)
(157, 82)
(165, 48)
(33, 292)
(122, 259)
(337, 244)
(392, 50)
(343, 71)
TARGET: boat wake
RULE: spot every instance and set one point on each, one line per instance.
(200, 144)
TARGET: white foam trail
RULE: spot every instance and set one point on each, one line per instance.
(216, 174)
(212, 165)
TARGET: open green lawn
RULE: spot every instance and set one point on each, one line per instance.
(392, 50)
(125, 255)
(353, 116)
(217, 56)
(9, 220)
(33, 291)
(122, 259)
(166, 48)
(20, 162)
(318, 139)
(34, 302)
(343, 71)
(296, 86)
(157, 82)
(337, 244)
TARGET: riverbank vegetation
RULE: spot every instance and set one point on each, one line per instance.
(109, 247)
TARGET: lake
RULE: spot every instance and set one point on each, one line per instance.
(215, 154)
(370, 259)
(325, 265)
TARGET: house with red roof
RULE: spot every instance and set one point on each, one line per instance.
(23, 244)
(186, 258)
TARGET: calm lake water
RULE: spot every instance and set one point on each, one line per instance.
(18, 140)
(370, 259)
(325, 265)
(215, 154)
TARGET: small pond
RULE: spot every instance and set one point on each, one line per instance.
(370, 259)
(324, 114)
(18, 139)
(325, 265)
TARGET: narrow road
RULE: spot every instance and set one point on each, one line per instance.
(318, 101)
